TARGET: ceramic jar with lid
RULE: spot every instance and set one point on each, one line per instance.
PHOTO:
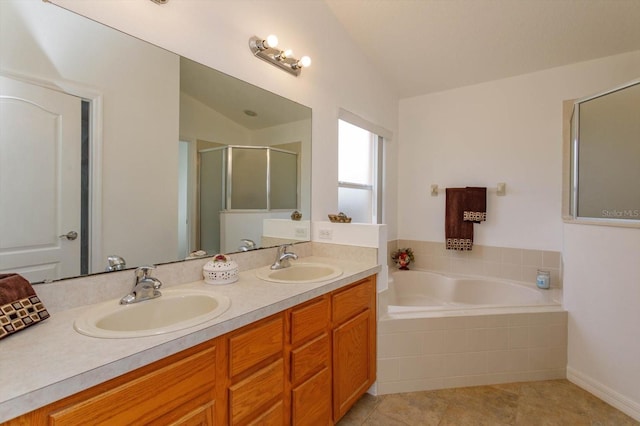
(220, 270)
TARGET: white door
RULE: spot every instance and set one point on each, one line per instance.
(40, 148)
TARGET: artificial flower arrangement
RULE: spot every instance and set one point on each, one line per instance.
(403, 257)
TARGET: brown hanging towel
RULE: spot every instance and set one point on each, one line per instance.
(475, 204)
(458, 233)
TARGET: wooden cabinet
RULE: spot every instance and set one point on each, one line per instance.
(304, 366)
(310, 358)
(177, 390)
(256, 373)
(354, 344)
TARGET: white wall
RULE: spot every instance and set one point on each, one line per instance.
(602, 295)
(216, 34)
(510, 131)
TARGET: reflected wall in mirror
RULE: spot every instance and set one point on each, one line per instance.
(605, 156)
(119, 163)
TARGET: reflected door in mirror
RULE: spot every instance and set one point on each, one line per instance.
(40, 149)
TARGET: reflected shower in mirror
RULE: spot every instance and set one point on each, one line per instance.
(149, 114)
(259, 183)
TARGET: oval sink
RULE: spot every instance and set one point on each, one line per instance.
(174, 310)
(300, 273)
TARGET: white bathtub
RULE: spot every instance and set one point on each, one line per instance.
(441, 331)
(416, 292)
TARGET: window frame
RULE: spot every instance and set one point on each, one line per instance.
(378, 139)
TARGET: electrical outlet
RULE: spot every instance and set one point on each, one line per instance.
(325, 234)
(300, 232)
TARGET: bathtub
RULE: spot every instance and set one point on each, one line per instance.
(416, 292)
(439, 331)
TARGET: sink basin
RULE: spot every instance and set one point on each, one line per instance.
(300, 273)
(174, 310)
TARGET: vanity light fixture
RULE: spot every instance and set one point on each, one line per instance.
(266, 49)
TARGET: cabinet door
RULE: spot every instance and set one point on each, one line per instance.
(311, 401)
(353, 362)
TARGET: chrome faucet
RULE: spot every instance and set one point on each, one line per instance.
(283, 257)
(144, 288)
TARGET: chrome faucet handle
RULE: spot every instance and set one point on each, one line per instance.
(115, 263)
(143, 272)
(282, 249)
(249, 243)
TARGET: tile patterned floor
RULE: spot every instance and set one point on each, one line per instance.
(552, 402)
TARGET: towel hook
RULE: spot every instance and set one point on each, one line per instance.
(501, 189)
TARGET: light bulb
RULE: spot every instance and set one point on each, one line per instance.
(305, 61)
(272, 41)
(288, 53)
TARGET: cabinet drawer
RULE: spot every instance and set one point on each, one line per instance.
(310, 357)
(251, 394)
(309, 320)
(353, 300)
(202, 415)
(311, 401)
(255, 343)
(273, 416)
(148, 397)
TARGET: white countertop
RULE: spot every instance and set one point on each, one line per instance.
(50, 360)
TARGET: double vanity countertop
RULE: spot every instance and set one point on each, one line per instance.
(50, 360)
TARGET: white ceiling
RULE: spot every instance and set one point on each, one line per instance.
(424, 46)
(231, 97)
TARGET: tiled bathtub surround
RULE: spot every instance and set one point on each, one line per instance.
(435, 353)
(502, 262)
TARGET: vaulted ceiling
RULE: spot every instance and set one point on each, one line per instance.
(424, 46)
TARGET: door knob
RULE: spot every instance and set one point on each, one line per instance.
(71, 235)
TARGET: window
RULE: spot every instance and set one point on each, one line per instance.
(359, 173)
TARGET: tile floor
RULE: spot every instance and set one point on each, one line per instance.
(552, 402)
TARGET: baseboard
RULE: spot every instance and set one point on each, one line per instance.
(621, 402)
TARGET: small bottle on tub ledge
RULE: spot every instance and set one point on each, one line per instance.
(543, 280)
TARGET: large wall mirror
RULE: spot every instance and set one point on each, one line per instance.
(111, 146)
(605, 157)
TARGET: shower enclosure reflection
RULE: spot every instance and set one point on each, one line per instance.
(254, 182)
